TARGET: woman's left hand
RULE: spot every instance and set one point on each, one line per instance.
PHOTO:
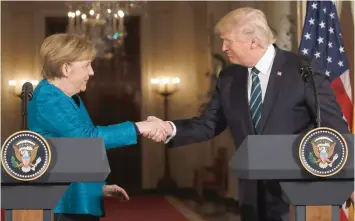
(114, 190)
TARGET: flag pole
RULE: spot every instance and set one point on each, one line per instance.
(299, 21)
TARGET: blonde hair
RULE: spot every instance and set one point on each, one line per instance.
(249, 23)
(59, 49)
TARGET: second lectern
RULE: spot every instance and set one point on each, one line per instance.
(277, 157)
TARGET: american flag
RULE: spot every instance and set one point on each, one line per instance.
(321, 39)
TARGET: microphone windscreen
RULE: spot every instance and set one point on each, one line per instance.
(27, 87)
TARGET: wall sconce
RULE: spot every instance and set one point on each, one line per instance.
(165, 86)
(16, 86)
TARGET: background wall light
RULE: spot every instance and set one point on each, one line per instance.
(16, 86)
(166, 86)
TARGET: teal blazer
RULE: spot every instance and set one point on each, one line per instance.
(51, 113)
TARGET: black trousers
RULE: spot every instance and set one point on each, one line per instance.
(75, 217)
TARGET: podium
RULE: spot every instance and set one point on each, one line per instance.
(275, 157)
(73, 160)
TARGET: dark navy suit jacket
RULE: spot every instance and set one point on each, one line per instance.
(288, 108)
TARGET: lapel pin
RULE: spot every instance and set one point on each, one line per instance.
(279, 73)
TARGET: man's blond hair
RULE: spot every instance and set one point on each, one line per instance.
(248, 23)
(59, 49)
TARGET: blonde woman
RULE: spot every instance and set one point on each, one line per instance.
(56, 110)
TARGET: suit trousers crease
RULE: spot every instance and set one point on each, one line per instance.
(264, 202)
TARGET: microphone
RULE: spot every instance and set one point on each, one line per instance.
(308, 75)
(26, 95)
(27, 91)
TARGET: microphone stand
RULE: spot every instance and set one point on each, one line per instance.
(307, 73)
(26, 96)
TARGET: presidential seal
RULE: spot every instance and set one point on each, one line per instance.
(323, 152)
(25, 156)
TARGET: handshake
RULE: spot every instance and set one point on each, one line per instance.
(155, 129)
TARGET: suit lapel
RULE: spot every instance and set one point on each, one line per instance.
(273, 87)
(239, 96)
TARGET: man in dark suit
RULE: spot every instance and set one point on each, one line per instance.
(262, 92)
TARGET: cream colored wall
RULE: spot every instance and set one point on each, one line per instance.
(175, 44)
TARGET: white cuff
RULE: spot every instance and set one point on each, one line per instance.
(173, 134)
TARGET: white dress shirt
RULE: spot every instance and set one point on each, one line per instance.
(264, 65)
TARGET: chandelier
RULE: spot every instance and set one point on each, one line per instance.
(102, 23)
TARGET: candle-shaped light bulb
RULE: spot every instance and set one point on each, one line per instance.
(12, 83)
(120, 13)
(176, 80)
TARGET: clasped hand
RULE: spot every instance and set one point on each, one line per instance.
(155, 129)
